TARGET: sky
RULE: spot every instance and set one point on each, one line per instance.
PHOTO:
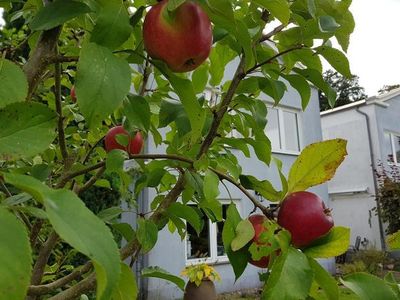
(374, 51)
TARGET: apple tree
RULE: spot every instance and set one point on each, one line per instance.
(51, 139)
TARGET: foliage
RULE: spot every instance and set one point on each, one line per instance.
(388, 196)
(199, 272)
(51, 151)
(372, 258)
(353, 267)
(348, 90)
(387, 88)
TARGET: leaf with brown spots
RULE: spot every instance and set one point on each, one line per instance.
(316, 164)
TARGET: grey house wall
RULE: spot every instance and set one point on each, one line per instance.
(169, 252)
(352, 191)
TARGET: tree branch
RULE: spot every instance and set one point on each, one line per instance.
(91, 181)
(273, 57)
(60, 123)
(37, 290)
(61, 59)
(42, 259)
(239, 75)
(38, 61)
(272, 33)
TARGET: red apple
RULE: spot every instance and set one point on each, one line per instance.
(135, 143)
(305, 216)
(182, 38)
(73, 94)
(257, 221)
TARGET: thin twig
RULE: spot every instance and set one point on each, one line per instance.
(267, 61)
(91, 181)
(272, 33)
(60, 124)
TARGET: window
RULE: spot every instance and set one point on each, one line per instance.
(392, 142)
(208, 245)
(283, 130)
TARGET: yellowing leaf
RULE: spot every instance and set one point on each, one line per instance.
(316, 164)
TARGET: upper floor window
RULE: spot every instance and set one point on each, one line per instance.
(283, 130)
(392, 142)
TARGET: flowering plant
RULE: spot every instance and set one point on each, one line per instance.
(197, 273)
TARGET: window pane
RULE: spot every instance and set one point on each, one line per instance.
(220, 226)
(396, 140)
(387, 140)
(273, 128)
(291, 133)
(198, 246)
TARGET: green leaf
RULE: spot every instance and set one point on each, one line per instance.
(238, 259)
(102, 82)
(325, 280)
(26, 129)
(265, 188)
(336, 59)
(147, 234)
(327, 24)
(368, 287)
(316, 78)
(127, 288)
(274, 88)
(112, 27)
(15, 257)
(125, 230)
(278, 8)
(187, 213)
(316, 164)
(210, 186)
(110, 213)
(200, 78)
(393, 240)
(193, 109)
(14, 86)
(170, 112)
(58, 12)
(79, 227)
(115, 160)
(391, 281)
(336, 242)
(302, 87)
(244, 234)
(291, 277)
(157, 272)
(137, 111)
(174, 4)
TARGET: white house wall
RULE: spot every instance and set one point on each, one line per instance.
(352, 189)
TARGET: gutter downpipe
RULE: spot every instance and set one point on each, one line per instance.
(372, 157)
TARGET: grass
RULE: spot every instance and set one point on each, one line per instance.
(345, 294)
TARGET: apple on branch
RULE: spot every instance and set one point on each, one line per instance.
(134, 143)
(181, 38)
(73, 94)
(306, 217)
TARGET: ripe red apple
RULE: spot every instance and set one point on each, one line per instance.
(182, 38)
(73, 94)
(257, 221)
(305, 216)
(135, 143)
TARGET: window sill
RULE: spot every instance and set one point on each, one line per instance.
(286, 152)
(210, 261)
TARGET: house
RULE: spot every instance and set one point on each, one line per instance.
(372, 128)
(290, 129)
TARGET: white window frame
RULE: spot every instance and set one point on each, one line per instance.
(213, 258)
(392, 147)
(281, 129)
